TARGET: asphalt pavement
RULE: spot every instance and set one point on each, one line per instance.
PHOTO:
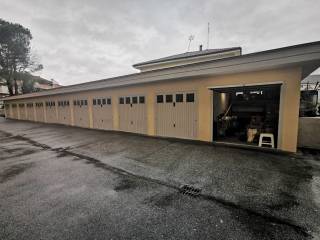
(59, 182)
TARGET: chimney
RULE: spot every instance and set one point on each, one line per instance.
(200, 47)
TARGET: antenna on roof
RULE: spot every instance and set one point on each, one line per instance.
(191, 37)
(208, 35)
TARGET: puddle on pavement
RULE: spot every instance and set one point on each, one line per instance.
(125, 184)
(14, 171)
(287, 201)
(162, 200)
(17, 152)
(62, 154)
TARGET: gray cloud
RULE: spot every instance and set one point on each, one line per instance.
(81, 41)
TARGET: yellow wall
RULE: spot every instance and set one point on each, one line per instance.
(289, 100)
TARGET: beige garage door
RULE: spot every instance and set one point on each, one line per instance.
(176, 115)
(64, 114)
(51, 112)
(14, 107)
(133, 114)
(40, 111)
(81, 114)
(8, 112)
(22, 111)
(102, 113)
(30, 112)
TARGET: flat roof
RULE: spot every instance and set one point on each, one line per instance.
(306, 55)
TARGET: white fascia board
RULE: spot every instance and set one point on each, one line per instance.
(182, 61)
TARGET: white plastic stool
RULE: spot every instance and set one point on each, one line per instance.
(263, 142)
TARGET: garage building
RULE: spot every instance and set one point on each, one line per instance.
(218, 95)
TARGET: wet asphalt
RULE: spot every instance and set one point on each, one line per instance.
(59, 182)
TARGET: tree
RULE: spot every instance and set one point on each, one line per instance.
(28, 82)
(15, 54)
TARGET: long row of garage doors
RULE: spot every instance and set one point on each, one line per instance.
(175, 113)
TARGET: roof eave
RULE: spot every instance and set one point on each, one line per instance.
(160, 61)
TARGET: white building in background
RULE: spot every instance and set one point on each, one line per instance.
(40, 84)
(4, 91)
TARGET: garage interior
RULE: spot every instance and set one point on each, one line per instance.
(242, 115)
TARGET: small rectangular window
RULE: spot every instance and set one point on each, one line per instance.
(159, 98)
(190, 97)
(179, 97)
(121, 100)
(104, 101)
(74, 102)
(109, 101)
(128, 100)
(65, 103)
(134, 100)
(68, 103)
(85, 102)
(169, 98)
(78, 102)
(141, 99)
(94, 101)
(99, 101)
(81, 102)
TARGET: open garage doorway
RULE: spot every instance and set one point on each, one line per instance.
(241, 115)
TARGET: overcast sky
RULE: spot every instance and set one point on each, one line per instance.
(79, 41)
